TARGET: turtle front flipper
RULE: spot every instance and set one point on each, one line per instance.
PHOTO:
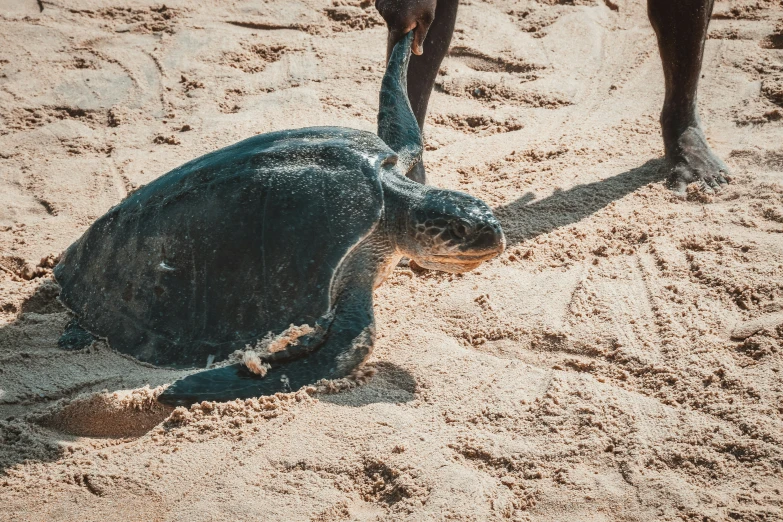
(347, 344)
(397, 124)
(302, 346)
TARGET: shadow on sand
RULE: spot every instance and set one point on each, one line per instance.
(525, 218)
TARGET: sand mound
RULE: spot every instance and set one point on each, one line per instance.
(127, 413)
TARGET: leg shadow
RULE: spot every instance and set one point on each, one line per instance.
(525, 218)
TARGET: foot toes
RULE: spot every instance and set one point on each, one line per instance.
(694, 161)
(710, 180)
(713, 184)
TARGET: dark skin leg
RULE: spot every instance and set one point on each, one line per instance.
(423, 69)
(681, 28)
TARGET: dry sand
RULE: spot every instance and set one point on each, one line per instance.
(621, 361)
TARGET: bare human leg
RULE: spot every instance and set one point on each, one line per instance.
(681, 28)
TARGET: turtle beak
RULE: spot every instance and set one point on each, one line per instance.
(488, 243)
(489, 239)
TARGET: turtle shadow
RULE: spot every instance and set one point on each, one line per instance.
(526, 217)
(22, 442)
(66, 398)
(35, 372)
(390, 384)
(50, 397)
(45, 436)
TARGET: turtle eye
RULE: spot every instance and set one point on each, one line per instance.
(460, 229)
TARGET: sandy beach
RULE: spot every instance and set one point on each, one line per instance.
(621, 361)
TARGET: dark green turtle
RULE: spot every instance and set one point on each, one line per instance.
(292, 227)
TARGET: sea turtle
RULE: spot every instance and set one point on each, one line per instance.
(295, 227)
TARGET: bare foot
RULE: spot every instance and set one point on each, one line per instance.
(692, 160)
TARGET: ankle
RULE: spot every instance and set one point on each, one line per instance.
(674, 123)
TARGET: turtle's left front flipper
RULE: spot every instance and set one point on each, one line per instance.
(347, 344)
(397, 124)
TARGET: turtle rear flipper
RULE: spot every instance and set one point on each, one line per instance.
(303, 345)
(75, 337)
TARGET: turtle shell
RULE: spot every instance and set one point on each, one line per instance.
(228, 247)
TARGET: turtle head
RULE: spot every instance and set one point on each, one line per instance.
(450, 231)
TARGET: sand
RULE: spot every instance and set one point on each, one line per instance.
(621, 361)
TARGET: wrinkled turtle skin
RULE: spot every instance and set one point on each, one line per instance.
(288, 228)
